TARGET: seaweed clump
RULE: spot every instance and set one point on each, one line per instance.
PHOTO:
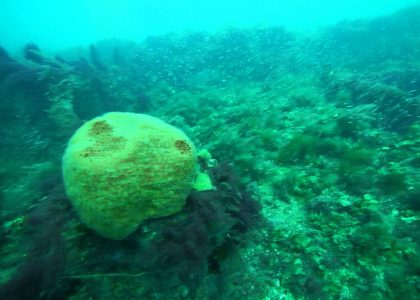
(356, 170)
(196, 242)
(38, 275)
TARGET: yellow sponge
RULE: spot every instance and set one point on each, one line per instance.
(120, 169)
(202, 182)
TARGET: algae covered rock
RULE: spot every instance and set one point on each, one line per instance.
(120, 169)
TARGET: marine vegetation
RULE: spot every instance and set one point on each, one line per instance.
(311, 143)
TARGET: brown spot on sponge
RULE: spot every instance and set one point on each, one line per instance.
(104, 146)
(100, 127)
(182, 146)
(89, 152)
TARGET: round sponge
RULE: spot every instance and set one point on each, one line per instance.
(121, 168)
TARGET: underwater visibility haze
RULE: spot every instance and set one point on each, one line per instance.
(258, 150)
